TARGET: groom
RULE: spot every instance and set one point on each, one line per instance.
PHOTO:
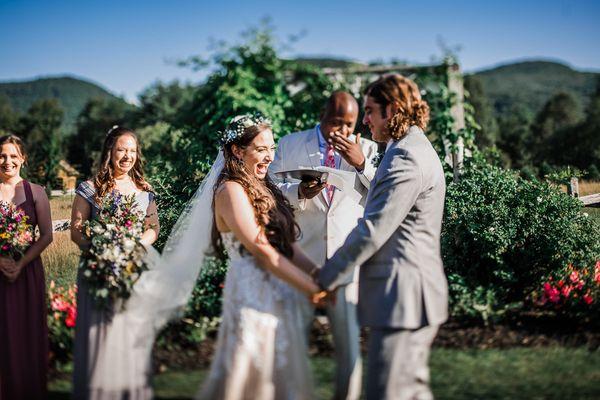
(402, 287)
(326, 216)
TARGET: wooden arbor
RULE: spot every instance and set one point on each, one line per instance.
(356, 79)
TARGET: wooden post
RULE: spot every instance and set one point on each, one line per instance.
(455, 85)
(573, 188)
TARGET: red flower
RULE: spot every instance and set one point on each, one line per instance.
(551, 293)
(588, 299)
(71, 317)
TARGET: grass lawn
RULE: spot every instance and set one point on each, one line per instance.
(525, 373)
(61, 259)
(60, 207)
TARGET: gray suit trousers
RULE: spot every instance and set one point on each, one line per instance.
(398, 363)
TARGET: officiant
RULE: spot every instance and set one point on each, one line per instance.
(326, 215)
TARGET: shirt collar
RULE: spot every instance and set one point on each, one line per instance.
(389, 144)
(322, 142)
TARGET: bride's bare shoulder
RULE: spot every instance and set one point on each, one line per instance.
(230, 190)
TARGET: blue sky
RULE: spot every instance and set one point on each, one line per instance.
(127, 45)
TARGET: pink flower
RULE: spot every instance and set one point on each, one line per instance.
(574, 276)
(59, 304)
(597, 272)
(566, 290)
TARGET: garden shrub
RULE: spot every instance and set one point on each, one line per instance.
(503, 235)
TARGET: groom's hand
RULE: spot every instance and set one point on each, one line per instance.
(349, 150)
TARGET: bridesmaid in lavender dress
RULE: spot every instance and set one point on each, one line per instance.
(101, 369)
(23, 324)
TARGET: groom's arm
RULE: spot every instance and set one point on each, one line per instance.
(391, 198)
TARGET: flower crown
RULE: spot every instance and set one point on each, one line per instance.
(239, 124)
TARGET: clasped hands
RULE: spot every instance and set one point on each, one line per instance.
(322, 298)
(10, 268)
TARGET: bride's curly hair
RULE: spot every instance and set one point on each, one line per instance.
(404, 96)
(272, 209)
(104, 181)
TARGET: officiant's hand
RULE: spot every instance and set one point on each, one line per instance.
(349, 150)
(310, 188)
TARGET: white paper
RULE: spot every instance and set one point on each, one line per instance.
(342, 180)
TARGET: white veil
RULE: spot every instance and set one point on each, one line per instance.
(163, 291)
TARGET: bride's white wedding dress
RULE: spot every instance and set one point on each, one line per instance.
(261, 351)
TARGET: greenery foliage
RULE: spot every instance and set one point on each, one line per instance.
(503, 235)
(40, 129)
(541, 115)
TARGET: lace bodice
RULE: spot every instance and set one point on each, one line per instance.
(258, 287)
(248, 286)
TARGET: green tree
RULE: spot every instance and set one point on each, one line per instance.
(96, 118)
(586, 149)
(484, 112)
(9, 118)
(559, 114)
(515, 136)
(40, 128)
(162, 102)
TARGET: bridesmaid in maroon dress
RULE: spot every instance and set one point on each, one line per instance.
(23, 324)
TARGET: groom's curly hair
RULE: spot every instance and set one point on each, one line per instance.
(404, 96)
(272, 209)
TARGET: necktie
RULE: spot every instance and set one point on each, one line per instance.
(330, 162)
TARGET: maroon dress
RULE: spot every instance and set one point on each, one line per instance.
(23, 327)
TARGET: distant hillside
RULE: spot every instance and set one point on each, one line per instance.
(327, 62)
(530, 84)
(72, 94)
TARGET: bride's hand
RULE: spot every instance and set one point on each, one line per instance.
(318, 299)
(322, 298)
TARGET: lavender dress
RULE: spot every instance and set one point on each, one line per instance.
(98, 356)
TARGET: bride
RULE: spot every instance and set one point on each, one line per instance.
(261, 352)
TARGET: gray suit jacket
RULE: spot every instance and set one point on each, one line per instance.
(397, 242)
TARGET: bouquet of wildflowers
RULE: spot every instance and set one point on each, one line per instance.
(116, 258)
(15, 233)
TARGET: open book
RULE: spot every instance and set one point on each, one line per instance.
(346, 181)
